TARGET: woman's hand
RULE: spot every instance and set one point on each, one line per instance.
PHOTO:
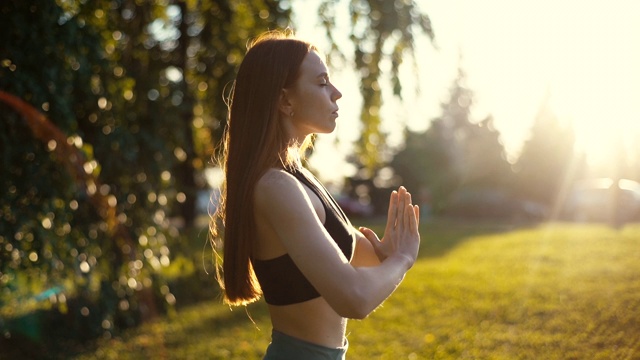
(401, 234)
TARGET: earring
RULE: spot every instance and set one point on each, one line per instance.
(291, 115)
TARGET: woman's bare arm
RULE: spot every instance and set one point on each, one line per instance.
(351, 291)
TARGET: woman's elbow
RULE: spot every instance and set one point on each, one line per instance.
(359, 315)
(355, 306)
(355, 312)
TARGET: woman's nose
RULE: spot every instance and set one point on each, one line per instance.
(336, 93)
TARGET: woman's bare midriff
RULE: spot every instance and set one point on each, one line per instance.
(313, 321)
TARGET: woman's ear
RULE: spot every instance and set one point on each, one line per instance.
(284, 103)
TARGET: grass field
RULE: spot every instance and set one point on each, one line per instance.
(478, 291)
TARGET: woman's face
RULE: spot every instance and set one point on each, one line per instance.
(312, 99)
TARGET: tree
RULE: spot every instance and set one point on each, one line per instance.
(124, 84)
(485, 163)
(426, 165)
(376, 26)
(212, 40)
(547, 162)
(456, 122)
(51, 232)
(454, 152)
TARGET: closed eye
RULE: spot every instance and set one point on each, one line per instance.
(324, 79)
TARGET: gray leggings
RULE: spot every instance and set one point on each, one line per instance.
(285, 347)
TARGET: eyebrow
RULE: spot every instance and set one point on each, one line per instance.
(323, 75)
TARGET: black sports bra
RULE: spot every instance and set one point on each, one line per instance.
(281, 281)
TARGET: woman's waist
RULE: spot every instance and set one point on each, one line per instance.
(313, 321)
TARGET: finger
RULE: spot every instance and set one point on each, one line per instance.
(413, 219)
(368, 233)
(402, 201)
(408, 215)
(406, 208)
(410, 203)
(392, 213)
(371, 236)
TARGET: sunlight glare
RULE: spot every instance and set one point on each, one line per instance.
(584, 55)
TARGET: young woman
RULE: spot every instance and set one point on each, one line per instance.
(284, 235)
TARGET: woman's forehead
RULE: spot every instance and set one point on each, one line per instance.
(313, 65)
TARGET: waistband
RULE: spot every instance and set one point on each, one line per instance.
(287, 347)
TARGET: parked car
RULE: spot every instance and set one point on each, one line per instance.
(604, 200)
(493, 203)
(354, 207)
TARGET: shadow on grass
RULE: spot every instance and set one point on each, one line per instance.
(441, 235)
(205, 321)
(197, 328)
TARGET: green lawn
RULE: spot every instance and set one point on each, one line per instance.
(478, 291)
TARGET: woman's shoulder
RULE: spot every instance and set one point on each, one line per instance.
(277, 183)
(275, 178)
(279, 191)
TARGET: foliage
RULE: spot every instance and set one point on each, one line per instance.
(129, 83)
(453, 152)
(179, 57)
(426, 165)
(548, 162)
(51, 228)
(479, 157)
(478, 291)
(382, 32)
(485, 163)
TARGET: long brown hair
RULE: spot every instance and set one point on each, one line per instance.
(255, 140)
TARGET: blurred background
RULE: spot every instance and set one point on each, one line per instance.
(111, 113)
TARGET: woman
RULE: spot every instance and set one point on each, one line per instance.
(284, 236)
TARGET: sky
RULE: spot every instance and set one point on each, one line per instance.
(583, 55)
